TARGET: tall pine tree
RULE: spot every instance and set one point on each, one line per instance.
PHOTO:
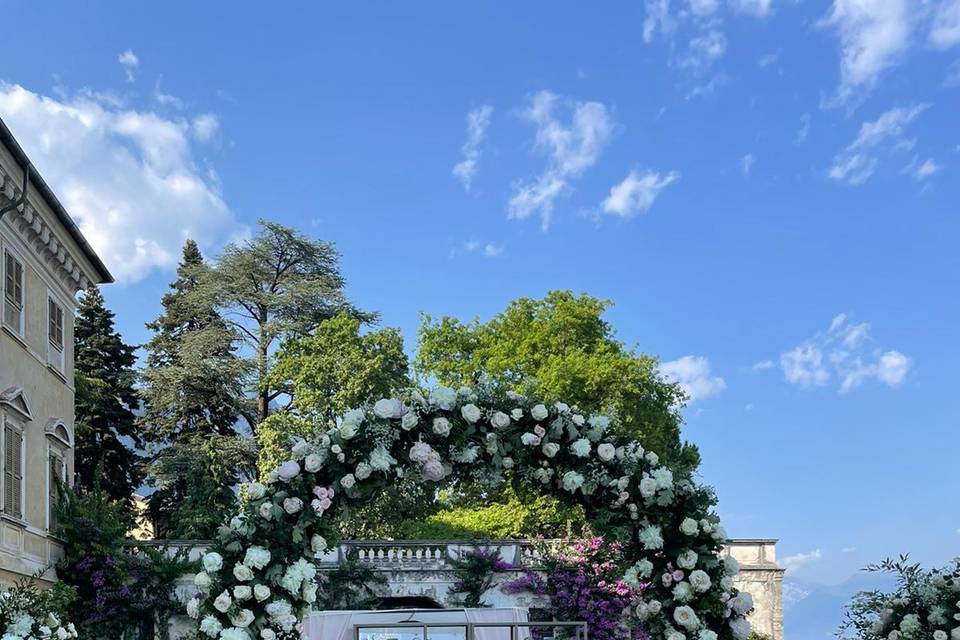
(106, 427)
(194, 383)
(193, 393)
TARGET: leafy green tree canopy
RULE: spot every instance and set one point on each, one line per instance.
(323, 374)
(560, 347)
(274, 286)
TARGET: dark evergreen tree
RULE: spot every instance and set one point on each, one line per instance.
(193, 383)
(193, 393)
(107, 433)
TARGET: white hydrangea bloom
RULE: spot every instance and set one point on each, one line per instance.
(257, 557)
(572, 481)
(470, 412)
(443, 397)
(581, 448)
(210, 626)
(651, 538)
(689, 527)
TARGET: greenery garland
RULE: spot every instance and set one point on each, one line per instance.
(258, 582)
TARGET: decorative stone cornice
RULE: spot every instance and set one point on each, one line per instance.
(42, 236)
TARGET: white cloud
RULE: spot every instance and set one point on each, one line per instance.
(920, 171)
(658, 19)
(704, 50)
(848, 550)
(758, 8)
(747, 162)
(763, 365)
(478, 120)
(204, 126)
(792, 564)
(945, 30)
(953, 75)
(129, 178)
(637, 192)
(129, 61)
(485, 249)
(874, 35)
(804, 130)
(844, 351)
(703, 7)
(571, 148)
(856, 163)
(693, 375)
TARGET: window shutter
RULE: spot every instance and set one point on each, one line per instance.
(8, 275)
(18, 285)
(12, 473)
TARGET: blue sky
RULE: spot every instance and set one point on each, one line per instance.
(767, 189)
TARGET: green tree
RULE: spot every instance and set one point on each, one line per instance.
(195, 477)
(106, 427)
(277, 285)
(193, 383)
(560, 348)
(323, 374)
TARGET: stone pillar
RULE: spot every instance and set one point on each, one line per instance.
(763, 579)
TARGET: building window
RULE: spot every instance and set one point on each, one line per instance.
(56, 480)
(55, 335)
(12, 471)
(13, 292)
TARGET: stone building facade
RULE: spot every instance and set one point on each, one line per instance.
(44, 262)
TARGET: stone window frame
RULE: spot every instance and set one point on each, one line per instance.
(58, 364)
(12, 424)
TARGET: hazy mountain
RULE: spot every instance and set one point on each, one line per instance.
(814, 611)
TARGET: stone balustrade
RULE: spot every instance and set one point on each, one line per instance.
(424, 568)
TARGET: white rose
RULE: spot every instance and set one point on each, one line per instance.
(242, 592)
(606, 451)
(261, 592)
(530, 439)
(388, 408)
(243, 619)
(507, 463)
(648, 487)
(500, 420)
(689, 527)
(266, 510)
(288, 470)
(223, 602)
(578, 419)
(470, 412)
(292, 505)
(348, 481)
(212, 562)
(409, 420)
(269, 634)
(312, 463)
(516, 414)
(539, 412)
(363, 471)
(193, 609)
(347, 430)
(62, 633)
(550, 449)
(300, 448)
(242, 572)
(700, 581)
(686, 618)
(441, 426)
(257, 557)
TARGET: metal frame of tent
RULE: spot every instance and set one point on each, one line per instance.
(469, 628)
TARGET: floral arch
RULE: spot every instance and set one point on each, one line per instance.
(258, 581)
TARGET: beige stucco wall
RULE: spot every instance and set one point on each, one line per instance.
(25, 546)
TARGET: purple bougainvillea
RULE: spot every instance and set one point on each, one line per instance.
(584, 581)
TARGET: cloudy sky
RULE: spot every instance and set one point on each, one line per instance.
(767, 189)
